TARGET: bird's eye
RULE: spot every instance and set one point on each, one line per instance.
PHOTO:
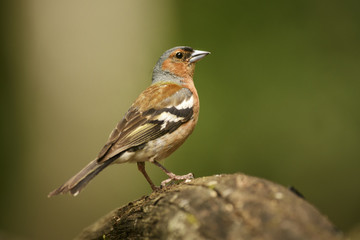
(179, 55)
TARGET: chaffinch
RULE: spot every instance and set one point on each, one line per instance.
(157, 123)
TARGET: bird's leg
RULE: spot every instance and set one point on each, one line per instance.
(141, 167)
(171, 175)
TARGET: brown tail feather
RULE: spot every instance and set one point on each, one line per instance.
(75, 184)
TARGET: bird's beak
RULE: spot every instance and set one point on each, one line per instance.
(197, 55)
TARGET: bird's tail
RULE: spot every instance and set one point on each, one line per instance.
(75, 184)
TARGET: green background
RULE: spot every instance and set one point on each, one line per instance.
(279, 100)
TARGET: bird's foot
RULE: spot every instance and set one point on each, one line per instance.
(176, 178)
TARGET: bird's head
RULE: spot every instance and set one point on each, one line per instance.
(177, 63)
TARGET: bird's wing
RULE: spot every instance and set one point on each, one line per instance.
(159, 110)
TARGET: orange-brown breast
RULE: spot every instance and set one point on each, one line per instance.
(189, 83)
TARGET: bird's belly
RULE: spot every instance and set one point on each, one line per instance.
(159, 148)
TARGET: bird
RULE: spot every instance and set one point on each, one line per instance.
(156, 124)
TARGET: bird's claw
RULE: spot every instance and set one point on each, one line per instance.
(177, 178)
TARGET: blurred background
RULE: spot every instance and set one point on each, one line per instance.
(279, 100)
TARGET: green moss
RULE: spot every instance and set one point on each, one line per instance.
(191, 219)
(212, 186)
